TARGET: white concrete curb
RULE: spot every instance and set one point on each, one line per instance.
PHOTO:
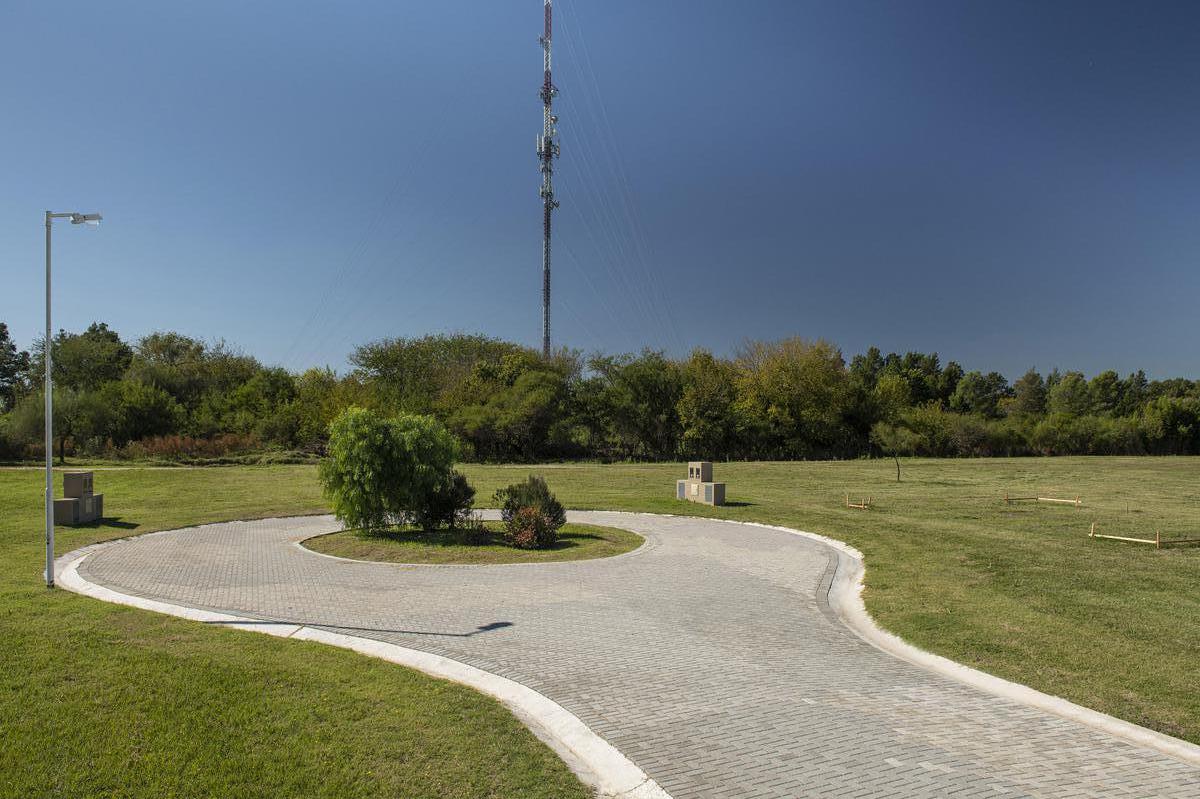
(594, 760)
(845, 597)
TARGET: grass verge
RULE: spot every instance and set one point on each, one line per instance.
(98, 700)
(575, 542)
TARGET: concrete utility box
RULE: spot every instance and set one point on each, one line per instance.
(80, 505)
(699, 485)
(77, 484)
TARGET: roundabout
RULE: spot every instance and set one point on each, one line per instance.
(718, 658)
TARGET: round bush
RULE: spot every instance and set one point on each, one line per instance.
(531, 493)
(528, 528)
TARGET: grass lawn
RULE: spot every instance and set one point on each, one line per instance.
(130, 703)
(575, 542)
(98, 700)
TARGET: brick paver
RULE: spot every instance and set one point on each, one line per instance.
(708, 657)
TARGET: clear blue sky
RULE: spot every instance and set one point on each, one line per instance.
(1010, 184)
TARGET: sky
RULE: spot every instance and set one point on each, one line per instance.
(1009, 184)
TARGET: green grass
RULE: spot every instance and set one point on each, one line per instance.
(131, 703)
(575, 542)
(98, 700)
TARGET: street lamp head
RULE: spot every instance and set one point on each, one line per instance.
(85, 219)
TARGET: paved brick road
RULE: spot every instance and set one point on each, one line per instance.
(708, 657)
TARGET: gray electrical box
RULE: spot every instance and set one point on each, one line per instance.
(699, 485)
(80, 505)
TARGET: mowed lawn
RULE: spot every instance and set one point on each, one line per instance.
(97, 700)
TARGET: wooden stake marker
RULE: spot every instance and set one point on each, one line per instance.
(1077, 502)
(863, 505)
(1158, 541)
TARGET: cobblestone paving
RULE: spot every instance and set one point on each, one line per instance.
(708, 657)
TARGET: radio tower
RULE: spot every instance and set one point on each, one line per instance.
(547, 150)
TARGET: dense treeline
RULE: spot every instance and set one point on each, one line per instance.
(169, 395)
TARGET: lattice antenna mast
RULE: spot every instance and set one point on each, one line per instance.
(547, 150)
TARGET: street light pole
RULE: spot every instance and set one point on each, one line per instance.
(47, 390)
(76, 219)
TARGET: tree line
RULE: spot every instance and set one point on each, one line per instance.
(169, 395)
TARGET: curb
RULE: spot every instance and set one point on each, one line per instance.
(595, 761)
(845, 598)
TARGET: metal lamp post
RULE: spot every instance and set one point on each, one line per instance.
(76, 219)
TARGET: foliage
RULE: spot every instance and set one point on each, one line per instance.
(504, 402)
(529, 528)
(14, 370)
(634, 405)
(447, 504)
(895, 440)
(532, 492)
(386, 471)
(793, 393)
(707, 408)
(980, 394)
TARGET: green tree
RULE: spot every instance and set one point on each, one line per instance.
(794, 395)
(78, 416)
(637, 399)
(1029, 395)
(14, 370)
(139, 410)
(980, 394)
(380, 471)
(895, 440)
(85, 361)
(1105, 390)
(420, 375)
(1134, 393)
(1070, 396)
(708, 407)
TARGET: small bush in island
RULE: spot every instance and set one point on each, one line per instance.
(531, 514)
(385, 471)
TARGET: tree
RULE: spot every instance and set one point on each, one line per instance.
(1029, 395)
(383, 471)
(895, 440)
(794, 395)
(980, 394)
(1070, 396)
(139, 410)
(637, 399)
(78, 415)
(86, 361)
(1134, 393)
(419, 375)
(1105, 390)
(14, 369)
(708, 407)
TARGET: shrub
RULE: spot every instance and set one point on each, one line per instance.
(532, 493)
(529, 528)
(382, 472)
(187, 447)
(448, 505)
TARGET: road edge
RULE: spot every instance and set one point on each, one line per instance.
(593, 760)
(845, 598)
